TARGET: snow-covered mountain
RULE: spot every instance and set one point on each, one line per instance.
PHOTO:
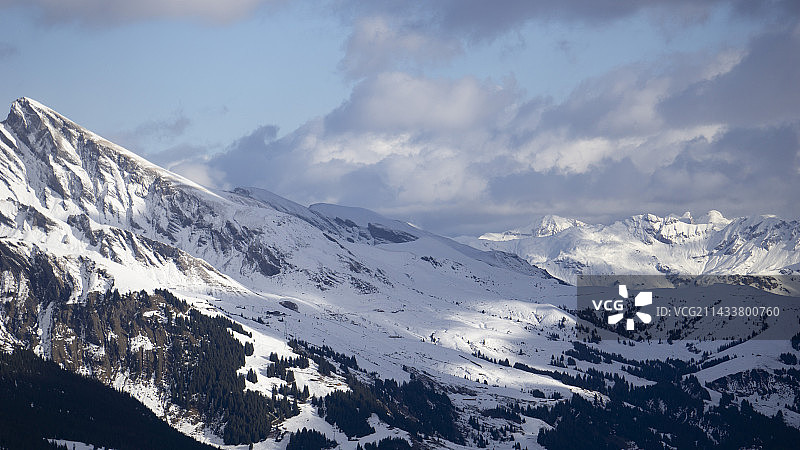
(648, 244)
(99, 217)
(473, 331)
(72, 192)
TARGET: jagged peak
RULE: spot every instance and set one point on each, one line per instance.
(685, 217)
(24, 107)
(714, 217)
(28, 117)
(42, 130)
(548, 225)
(552, 224)
(28, 103)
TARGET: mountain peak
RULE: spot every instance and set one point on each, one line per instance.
(24, 109)
(552, 224)
(29, 103)
(715, 217)
(548, 225)
(43, 131)
(46, 132)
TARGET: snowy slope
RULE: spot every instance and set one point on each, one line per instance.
(364, 284)
(99, 195)
(401, 299)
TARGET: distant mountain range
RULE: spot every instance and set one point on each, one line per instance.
(648, 244)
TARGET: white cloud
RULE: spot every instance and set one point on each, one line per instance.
(201, 173)
(400, 102)
(376, 44)
(108, 12)
(421, 146)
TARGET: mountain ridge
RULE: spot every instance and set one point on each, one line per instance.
(649, 244)
(100, 218)
(111, 266)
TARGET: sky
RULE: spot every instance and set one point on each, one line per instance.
(460, 116)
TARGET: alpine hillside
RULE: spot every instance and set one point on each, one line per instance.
(241, 318)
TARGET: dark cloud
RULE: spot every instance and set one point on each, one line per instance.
(478, 20)
(761, 89)
(254, 159)
(743, 171)
(258, 139)
(729, 175)
(783, 10)
(391, 35)
(485, 20)
(754, 153)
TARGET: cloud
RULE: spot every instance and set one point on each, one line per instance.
(108, 12)
(201, 173)
(377, 43)
(391, 35)
(722, 174)
(473, 21)
(411, 138)
(399, 102)
(190, 161)
(164, 129)
(169, 157)
(455, 154)
(477, 20)
(141, 138)
(761, 89)
(403, 36)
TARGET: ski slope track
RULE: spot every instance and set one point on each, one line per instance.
(93, 216)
